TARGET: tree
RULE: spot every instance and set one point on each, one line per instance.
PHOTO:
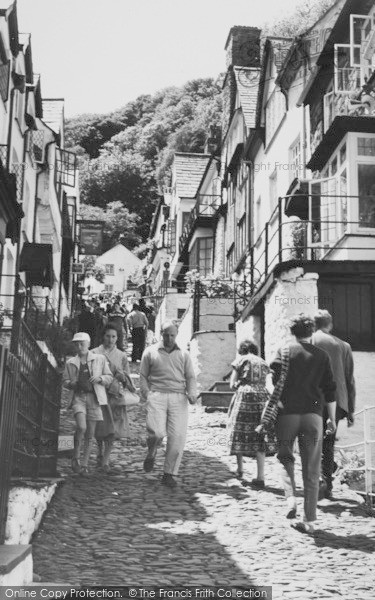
(91, 268)
(305, 14)
(120, 226)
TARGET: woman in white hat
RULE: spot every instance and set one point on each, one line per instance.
(87, 374)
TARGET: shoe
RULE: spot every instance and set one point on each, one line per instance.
(149, 462)
(239, 474)
(292, 507)
(76, 467)
(303, 527)
(169, 480)
(84, 471)
(258, 484)
(328, 495)
(322, 490)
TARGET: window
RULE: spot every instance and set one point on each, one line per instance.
(108, 287)
(366, 146)
(185, 218)
(334, 166)
(201, 255)
(275, 111)
(343, 153)
(366, 192)
(295, 159)
(109, 269)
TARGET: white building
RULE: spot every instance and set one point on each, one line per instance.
(119, 264)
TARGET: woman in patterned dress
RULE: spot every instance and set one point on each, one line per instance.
(249, 380)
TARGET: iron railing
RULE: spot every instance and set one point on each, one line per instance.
(314, 239)
(37, 312)
(4, 155)
(9, 378)
(205, 207)
(368, 455)
(36, 443)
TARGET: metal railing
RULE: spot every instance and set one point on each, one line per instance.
(38, 410)
(315, 239)
(36, 311)
(9, 376)
(206, 207)
(368, 445)
(4, 155)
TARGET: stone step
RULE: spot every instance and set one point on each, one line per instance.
(216, 399)
(220, 386)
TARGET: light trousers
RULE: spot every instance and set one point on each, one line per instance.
(309, 430)
(167, 415)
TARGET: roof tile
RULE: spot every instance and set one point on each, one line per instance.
(189, 169)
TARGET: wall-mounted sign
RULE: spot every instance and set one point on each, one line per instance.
(91, 237)
(78, 268)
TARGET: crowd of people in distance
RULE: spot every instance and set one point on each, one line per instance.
(313, 390)
(135, 320)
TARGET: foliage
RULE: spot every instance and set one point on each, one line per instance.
(211, 286)
(120, 225)
(305, 14)
(126, 156)
(91, 268)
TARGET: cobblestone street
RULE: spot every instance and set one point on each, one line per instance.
(125, 528)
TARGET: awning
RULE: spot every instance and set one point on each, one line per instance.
(36, 261)
(297, 200)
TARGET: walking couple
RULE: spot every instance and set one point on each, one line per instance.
(304, 375)
(167, 384)
(98, 379)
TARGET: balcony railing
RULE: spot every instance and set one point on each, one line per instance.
(354, 105)
(202, 213)
(314, 239)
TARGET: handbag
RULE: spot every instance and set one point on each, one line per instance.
(271, 409)
(131, 398)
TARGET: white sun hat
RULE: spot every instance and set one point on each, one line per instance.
(81, 336)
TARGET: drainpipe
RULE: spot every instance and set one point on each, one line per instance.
(10, 129)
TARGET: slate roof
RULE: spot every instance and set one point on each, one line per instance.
(189, 169)
(52, 113)
(247, 80)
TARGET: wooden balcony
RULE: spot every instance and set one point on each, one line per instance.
(201, 216)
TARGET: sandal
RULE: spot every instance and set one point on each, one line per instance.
(303, 527)
(76, 467)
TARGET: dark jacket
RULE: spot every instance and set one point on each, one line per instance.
(309, 382)
(340, 354)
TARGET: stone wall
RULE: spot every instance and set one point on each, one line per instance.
(26, 506)
(212, 353)
(294, 293)
(215, 314)
(20, 572)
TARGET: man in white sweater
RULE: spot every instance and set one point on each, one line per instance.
(168, 383)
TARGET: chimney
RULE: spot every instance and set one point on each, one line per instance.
(243, 50)
(243, 47)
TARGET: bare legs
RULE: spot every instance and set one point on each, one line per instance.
(85, 431)
(260, 457)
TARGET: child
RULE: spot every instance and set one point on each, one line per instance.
(87, 374)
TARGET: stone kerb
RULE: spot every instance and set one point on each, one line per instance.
(212, 353)
(295, 292)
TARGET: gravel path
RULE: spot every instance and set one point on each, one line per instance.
(126, 528)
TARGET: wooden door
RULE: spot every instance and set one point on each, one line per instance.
(351, 305)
